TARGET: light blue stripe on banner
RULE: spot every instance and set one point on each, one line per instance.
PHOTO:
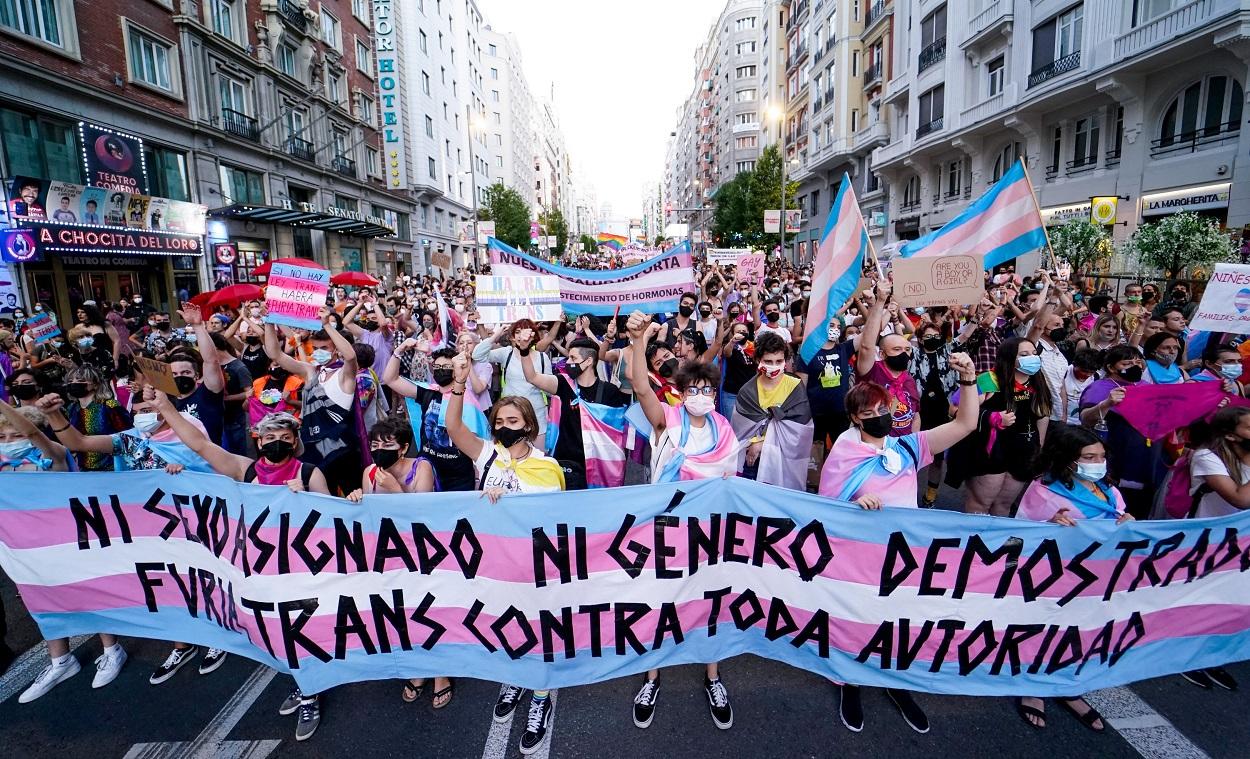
(1025, 243)
(976, 209)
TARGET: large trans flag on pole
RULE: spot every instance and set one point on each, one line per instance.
(1002, 224)
(839, 264)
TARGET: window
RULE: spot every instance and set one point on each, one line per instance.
(224, 16)
(744, 48)
(35, 147)
(954, 178)
(494, 96)
(335, 90)
(433, 169)
(744, 96)
(429, 127)
(1204, 109)
(41, 20)
(295, 123)
(360, 10)
(499, 161)
(493, 50)
(746, 118)
(331, 32)
(994, 73)
(346, 203)
(855, 63)
(744, 24)
(745, 166)
(854, 120)
(425, 82)
(911, 192)
(1085, 142)
(424, 41)
(286, 59)
(233, 94)
(1056, 150)
(1006, 157)
(1145, 11)
(745, 72)
(242, 186)
(1058, 38)
(494, 74)
(363, 59)
(932, 109)
(338, 142)
(742, 143)
(149, 60)
(167, 173)
(372, 163)
(1119, 134)
(364, 108)
(933, 28)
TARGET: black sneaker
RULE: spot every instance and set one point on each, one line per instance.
(291, 703)
(506, 705)
(536, 725)
(309, 718)
(850, 710)
(644, 703)
(175, 661)
(1198, 677)
(213, 659)
(1220, 677)
(718, 703)
(913, 715)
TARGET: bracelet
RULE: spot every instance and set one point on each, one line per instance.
(968, 383)
(61, 429)
(453, 392)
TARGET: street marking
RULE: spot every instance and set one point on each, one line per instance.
(27, 667)
(211, 743)
(1147, 731)
(545, 749)
(497, 738)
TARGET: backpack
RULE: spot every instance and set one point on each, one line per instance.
(1177, 501)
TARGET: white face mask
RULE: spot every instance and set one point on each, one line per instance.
(1092, 472)
(772, 370)
(700, 405)
(147, 422)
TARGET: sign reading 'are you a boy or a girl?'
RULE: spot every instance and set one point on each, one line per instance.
(295, 295)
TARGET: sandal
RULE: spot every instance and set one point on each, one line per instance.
(448, 692)
(1031, 711)
(1088, 718)
(412, 691)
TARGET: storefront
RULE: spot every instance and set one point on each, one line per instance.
(1210, 201)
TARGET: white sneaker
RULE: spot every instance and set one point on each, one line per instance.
(108, 666)
(51, 676)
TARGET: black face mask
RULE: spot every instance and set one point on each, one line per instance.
(933, 342)
(667, 368)
(442, 377)
(162, 326)
(24, 392)
(78, 389)
(509, 437)
(685, 310)
(1132, 374)
(1058, 334)
(898, 362)
(186, 385)
(1244, 445)
(252, 339)
(385, 458)
(773, 317)
(877, 426)
(276, 451)
(370, 326)
(279, 373)
(574, 370)
(705, 314)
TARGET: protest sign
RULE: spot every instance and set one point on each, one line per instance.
(1225, 305)
(485, 231)
(772, 222)
(564, 589)
(503, 300)
(938, 281)
(158, 374)
(295, 295)
(41, 328)
(751, 267)
(726, 256)
(653, 286)
(441, 260)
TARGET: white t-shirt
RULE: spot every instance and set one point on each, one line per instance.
(1055, 369)
(1071, 391)
(1204, 462)
(785, 333)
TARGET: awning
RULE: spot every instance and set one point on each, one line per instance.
(326, 222)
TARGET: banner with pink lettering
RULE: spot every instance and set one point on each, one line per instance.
(1225, 304)
(549, 591)
(295, 295)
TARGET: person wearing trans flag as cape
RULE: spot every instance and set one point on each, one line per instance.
(870, 466)
(688, 442)
(773, 413)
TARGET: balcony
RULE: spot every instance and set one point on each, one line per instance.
(872, 75)
(817, 54)
(929, 127)
(876, 12)
(991, 106)
(897, 88)
(299, 148)
(817, 104)
(1169, 26)
(1113, 158)
(994, 18)
(1189, 142)
(889, 153)
(1081, 164)
(1053, 69)
(933, 53)
(754, 126)
(293, 15)
(909, 205)
(344, 166)
(871, 136)
(240, 124)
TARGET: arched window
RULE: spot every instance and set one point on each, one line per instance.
(1006, 157)
(911, 192)
(1205, 109)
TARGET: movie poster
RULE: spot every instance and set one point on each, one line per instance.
(92, 206)
(27, 198)
(115, 209)
(158, 213)
(63, 202)
(137, 212)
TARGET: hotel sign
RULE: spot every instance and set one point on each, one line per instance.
(385, 35)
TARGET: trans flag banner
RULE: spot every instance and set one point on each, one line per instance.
(836, 272)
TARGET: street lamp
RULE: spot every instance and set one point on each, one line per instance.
(698, 188)
(472, 124)
(775, 115)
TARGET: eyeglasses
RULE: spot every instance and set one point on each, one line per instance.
(708, 390)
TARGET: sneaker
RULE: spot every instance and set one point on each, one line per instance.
(850, 710)
(213, 659)
(913, 715)
(644, 703)
(52, 675)
(536, 725)
(718, 703)
(174, 662)
(309, 718)
(1220, 677)
(507, 702)
(108, 666)
(1198, 677)
(291, 703)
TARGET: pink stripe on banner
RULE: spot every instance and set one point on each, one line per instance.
(990, 224)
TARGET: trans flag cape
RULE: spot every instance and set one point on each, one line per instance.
(676, 458)
(471, 414)
(838, 266)
(604, 437)
(787, 431)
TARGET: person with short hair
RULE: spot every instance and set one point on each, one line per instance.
(891, 369)
(772, 413)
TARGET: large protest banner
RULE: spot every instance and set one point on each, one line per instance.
(653, 286)
(558, 590)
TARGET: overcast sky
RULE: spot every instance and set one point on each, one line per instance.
(620, 71)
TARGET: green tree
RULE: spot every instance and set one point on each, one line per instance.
(730, 220)
(659, 241)
(511, 215)
(553, 221)
(1081, 243)
(1179, 241)
(588, 244)
(765, 193)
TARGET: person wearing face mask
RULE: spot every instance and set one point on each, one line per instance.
(369, 325)
(276, 391)
(707, 323)
(200, 378)
(1137, 464)
(24, 386)
(590, 445)
(1163, 364)
(507, 463)
(773, 414)
(137, 312)
(524, 340)
(827, 379)
(1221, 362)
(158, 334)
(1015, 414)
(1071, 485)
(93, 410)
(937, 381)
(772, 322)
(891, 370)
(871, 467)
(663, 365)
(683, 321)
(1178, 299)
(738, 356)
(1132, 312)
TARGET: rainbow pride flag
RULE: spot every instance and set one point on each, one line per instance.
(615, 242)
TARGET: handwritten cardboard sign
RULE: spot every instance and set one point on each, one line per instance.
(726, 256)
(441, 260)
(41, 328)
(751, 267)
(295, 295)
(503, 300)
(939, 281)
(158, 374)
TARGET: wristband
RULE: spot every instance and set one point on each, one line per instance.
(61, 429)
(968, 383)
(453, 392)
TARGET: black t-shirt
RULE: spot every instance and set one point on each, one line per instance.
(738, 369)
(208, 407)
(569, 445)
(238, 379)
(257, 363)
(829, 377)
(454, 469)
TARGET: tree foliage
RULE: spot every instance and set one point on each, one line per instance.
(1082, 243)
(588, 244)
(554, 222)
(511, 215)
(1179, 241)
(741, 202)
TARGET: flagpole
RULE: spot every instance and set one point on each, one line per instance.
(1054, 262)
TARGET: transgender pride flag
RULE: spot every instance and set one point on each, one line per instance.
(839, 264)
(1002, 224)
